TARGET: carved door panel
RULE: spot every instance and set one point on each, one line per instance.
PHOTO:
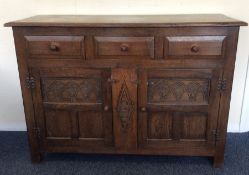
(178, 108)
(72, 107)
(124, 100)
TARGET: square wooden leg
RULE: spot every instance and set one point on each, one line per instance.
(36, 158)
(218, 160)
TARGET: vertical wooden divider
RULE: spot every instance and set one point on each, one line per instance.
(124, 100)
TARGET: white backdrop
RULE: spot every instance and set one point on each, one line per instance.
(244, 122)
(11, 109)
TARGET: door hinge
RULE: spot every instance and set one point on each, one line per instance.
(30, 82)
(222, 85)
(37, 132)
(216, 134)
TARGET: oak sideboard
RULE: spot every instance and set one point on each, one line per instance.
(151, 85)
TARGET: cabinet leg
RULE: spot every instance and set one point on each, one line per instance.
(36, 158)
(36, 155)
(218, 160)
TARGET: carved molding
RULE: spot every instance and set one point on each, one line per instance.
(125, 106)
(165, 90)
(65, 90)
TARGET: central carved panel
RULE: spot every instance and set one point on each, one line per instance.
(178, 91)
(124, 101)
(125, 106)
(71, 90)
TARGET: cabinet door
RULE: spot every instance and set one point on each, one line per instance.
(72, 108)
(178, 109)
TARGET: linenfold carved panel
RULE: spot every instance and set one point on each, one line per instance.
(125, 106)
(160, 125)
(178, 90)
(71, 90)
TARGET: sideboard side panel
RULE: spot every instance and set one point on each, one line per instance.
(26, 93)
(228, 72)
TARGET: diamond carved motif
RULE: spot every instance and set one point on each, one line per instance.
(125, 107)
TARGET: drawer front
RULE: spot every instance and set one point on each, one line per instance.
(124, 47)
(185, 46)
(55, 46)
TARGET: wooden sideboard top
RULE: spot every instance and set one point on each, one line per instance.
(128, 20)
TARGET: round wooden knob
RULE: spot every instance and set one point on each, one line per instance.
(143, 109)
(124, 48)
(195, 49)
(106, 108)
(54, 46)
(111, 80)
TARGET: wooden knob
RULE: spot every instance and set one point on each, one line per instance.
(106, 108)
(124, 48)
(143, 109)
(54, 46)
(195, 49)
(111, 80)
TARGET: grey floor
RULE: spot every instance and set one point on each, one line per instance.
(15, 160)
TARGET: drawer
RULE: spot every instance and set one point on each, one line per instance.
(55, 46)
(189, 46)
(124, 47)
